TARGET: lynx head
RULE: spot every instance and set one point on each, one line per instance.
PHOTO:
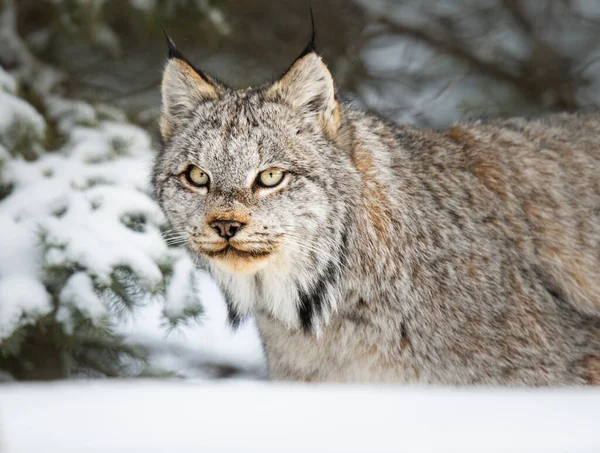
(255, 183)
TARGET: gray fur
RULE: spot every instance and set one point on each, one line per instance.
(467, 256)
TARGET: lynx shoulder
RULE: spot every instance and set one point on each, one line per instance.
(374, 252)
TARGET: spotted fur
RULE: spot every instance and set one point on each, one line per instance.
(390, 253)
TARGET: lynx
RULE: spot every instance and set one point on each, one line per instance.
(374, 252)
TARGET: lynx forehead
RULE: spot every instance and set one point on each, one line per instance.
(373, 252)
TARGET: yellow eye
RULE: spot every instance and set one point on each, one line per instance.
(271, 177)
(196, 176)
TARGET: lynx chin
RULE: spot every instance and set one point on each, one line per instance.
(372, 252)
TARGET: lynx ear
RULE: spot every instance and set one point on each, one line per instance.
(308, 86)
(183, 88)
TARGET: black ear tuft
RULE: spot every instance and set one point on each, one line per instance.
(183, 88)
(173, 51)
(312, 44)
(308, 87)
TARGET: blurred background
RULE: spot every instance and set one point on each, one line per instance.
(92, 281)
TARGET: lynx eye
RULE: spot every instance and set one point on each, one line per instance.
(270, 177)
(196, 176)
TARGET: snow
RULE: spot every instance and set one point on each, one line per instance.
(91, 234)
(84, 207)
(7, 82)
(241, 416)
(84, 226)
(70, 112)
(13, 111)
(23, 300)
(79, 293)
(178, 300)
(23, 297)
(194, 350)
(92, 144)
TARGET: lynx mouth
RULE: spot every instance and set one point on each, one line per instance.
(247, 260)
(230, 251)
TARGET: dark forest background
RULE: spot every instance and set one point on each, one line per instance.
(428, 62)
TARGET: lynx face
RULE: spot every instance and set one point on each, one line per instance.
(254, 184)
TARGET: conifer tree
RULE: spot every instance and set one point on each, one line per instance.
(84, 243)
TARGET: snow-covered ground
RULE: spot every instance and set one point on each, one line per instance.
(243, 416)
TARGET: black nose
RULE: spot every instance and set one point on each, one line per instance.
(226, 228)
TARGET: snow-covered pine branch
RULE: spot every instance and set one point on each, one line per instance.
(82, 239)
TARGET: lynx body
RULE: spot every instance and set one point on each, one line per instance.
(372, 252)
